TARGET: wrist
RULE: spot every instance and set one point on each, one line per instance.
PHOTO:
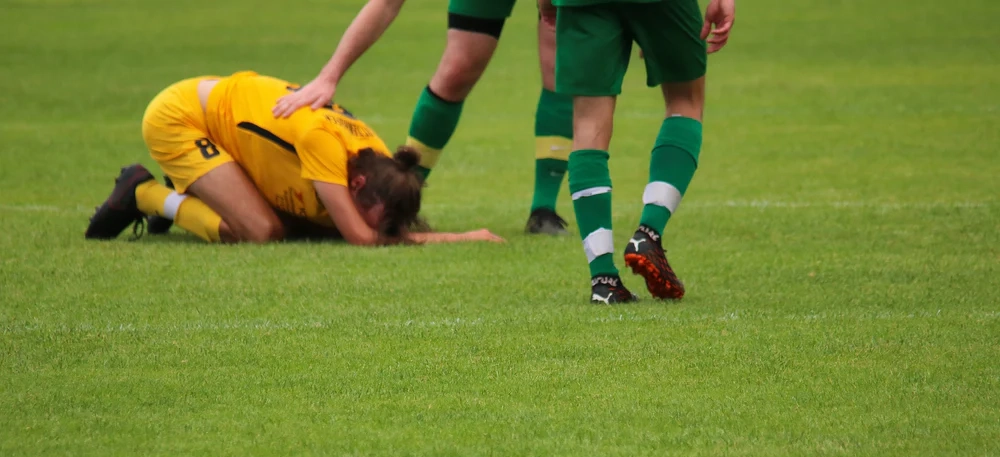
(330, 76)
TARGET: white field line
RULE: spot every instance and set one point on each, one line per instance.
(459, 322)
(763, 204)
(29, 208)
(754, 204)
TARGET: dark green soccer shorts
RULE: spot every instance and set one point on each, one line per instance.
(594, 43)
(482, 9)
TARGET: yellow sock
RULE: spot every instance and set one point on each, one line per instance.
(150, 197)
(196, 217)
(187, 212)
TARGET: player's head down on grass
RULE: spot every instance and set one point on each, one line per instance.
(387, 191)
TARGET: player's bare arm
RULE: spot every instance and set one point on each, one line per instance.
(345, 215)
(366, 28)
(445, 237)
(357, 228)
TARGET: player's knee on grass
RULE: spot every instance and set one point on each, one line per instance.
(465, 58)
(260, 230)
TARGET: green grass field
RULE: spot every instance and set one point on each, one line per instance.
(840, 243)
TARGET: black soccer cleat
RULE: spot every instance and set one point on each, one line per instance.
(609, 290)
(545, 221)
(120, 209)
(158, 225)
(645, 256)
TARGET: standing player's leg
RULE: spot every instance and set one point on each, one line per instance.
(590, 65)
(553, 140)
(675, 58)
(474, 27)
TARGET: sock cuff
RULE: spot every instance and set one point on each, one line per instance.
(434, 120)
(172, 204)
(551, 96)
(681, 132)
(588, 168)
(552, 165)
(437, 98)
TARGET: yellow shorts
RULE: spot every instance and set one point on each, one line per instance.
(175, 132)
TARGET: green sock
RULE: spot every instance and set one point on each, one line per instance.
(548, 179)
(434, 121)
(671, 167)
(590, 184)
(553, 143)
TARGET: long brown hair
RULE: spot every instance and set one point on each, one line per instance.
(393, 182)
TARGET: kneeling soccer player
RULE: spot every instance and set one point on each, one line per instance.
(234, 166)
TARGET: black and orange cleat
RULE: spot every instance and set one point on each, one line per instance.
(119, 210)
(158, 225)
(609, 290)
(645, 256)
(545, 221)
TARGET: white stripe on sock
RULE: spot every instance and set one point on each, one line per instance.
(173, 202)
(591, 192)
(598, 243)
(662, 194)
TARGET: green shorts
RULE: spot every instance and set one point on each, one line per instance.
(594, 44)
(482, 9)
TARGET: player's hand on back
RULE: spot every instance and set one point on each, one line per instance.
(317, 93)
(719, 18)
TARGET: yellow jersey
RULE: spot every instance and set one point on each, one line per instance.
(284, 156)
